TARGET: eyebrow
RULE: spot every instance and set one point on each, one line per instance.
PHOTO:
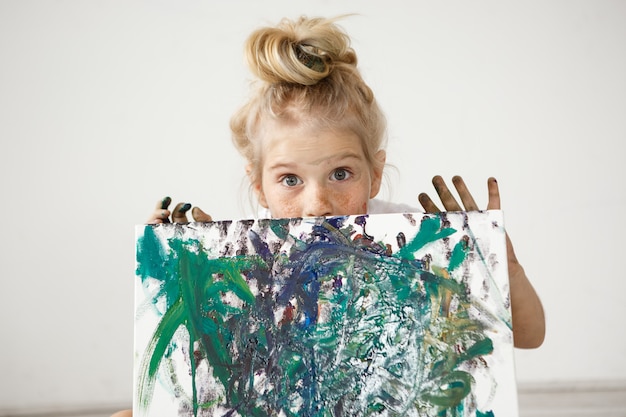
(341, 157)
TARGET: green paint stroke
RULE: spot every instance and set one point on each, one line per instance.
(458, 255)
(430, 231)
(193, 301)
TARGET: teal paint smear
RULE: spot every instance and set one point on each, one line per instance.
(430, 231)
(152, 261)
(458, 255)
(376, 307)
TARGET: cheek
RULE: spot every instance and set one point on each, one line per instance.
(284, 207)
(350, 203)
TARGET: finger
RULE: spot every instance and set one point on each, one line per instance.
(200, 216)
(447, 199)
(428, 204)
(466, 196)
(494, 194)
(179, 215)
(161, 214)
(164, 214)
(164, 203)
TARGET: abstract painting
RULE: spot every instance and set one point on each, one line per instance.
(376, 315)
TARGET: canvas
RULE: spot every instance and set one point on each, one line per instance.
(377, 315)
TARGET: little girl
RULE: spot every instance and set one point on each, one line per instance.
(313, 137)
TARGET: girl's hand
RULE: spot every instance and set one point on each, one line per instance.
(527, 311)
(450, 203)
(161, 214)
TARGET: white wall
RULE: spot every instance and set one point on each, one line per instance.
(106, 106)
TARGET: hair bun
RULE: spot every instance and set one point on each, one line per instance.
(311, 57)
(304, 51)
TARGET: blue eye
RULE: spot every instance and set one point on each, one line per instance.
(341, 174)
(291, 180)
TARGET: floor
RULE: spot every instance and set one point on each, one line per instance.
(606, 400)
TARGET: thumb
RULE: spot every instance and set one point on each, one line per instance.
(200, 216)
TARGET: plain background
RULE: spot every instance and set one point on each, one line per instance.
(107, 106)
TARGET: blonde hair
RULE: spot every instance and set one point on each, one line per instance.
(307, 72)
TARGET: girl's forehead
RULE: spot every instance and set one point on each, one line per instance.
(311, 145)
(292, 138)
(302, 136)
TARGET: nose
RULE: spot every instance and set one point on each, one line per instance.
(318, 202)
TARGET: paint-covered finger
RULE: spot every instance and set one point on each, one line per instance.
(466, 196)
(200, 216)
(427, 203)
(164, 213)
(447, 199)
(179, 215)
(161, 213)
(494, 194)
(164, 203)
